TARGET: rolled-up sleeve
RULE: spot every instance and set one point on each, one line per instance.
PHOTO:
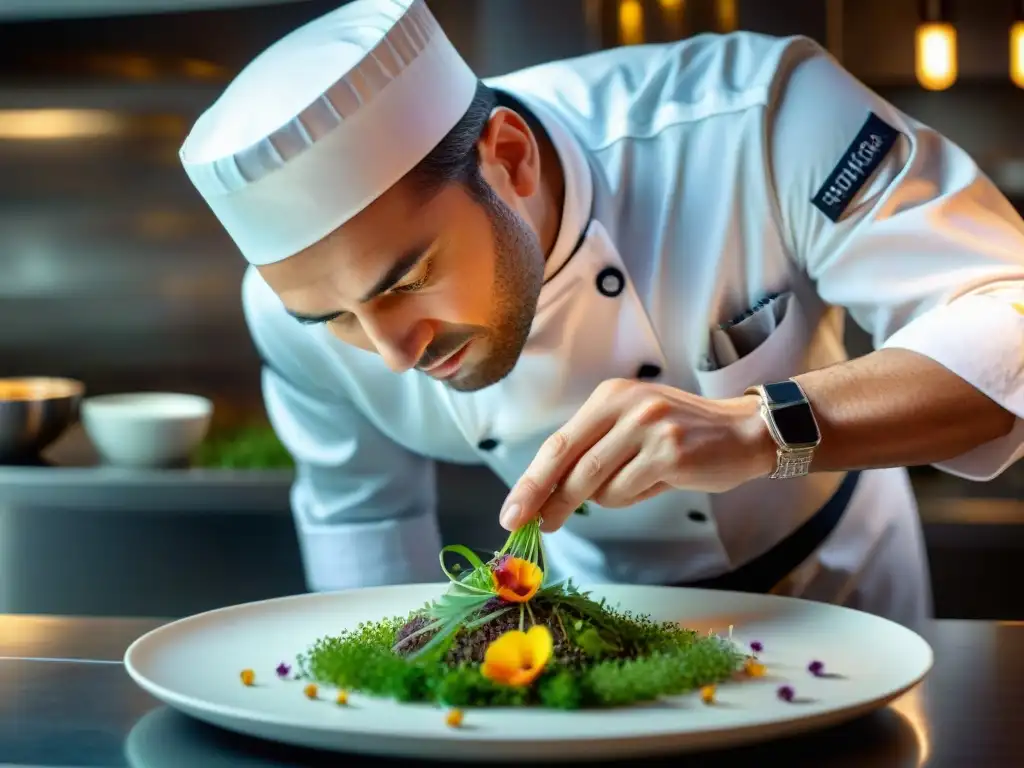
(898, 225)
(364, 507)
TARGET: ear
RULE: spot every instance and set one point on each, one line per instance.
(509, 155)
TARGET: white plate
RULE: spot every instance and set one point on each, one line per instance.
(193, 665)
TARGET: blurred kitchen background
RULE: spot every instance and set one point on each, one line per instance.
(112, 271)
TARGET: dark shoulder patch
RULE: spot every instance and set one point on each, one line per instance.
(872, 143)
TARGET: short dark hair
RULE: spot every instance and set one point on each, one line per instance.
(455, 159)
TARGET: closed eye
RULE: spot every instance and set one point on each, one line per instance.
(422, 282)
(347, 317)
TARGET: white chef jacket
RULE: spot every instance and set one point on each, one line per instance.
(690, 171)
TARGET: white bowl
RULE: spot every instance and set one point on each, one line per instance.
(146, 429)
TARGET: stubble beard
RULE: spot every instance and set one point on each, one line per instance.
(518, 278)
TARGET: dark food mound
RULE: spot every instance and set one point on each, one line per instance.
(471, 646)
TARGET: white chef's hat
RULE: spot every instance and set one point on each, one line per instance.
(325, 121)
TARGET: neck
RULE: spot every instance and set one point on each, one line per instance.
(546, 206)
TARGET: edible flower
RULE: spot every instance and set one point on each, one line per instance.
(753, 668)
(248, 677)
(816, 668)
(707, 694)
(516, 657)
(517, 580)
(283, 670)
(310, 691)
(756, 647)
(786, 693)
(454, 718)
(342, 699)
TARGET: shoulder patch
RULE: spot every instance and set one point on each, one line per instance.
(872, 143)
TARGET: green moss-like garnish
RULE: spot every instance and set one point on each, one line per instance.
(603, 657)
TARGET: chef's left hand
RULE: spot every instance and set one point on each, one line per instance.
(632, 440)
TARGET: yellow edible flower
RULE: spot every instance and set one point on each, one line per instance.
(517, 580)
(517, 657)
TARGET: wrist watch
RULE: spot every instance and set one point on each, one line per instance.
(791, 423)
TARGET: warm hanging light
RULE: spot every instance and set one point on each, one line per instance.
(672, 12)
(935, 47)
(726, 15)
(631, 22)
(1017, 46)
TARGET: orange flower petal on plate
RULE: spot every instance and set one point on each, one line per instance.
(454, 718)
(517, 658)
(517, 580)
(754, 668)
(1019, 306)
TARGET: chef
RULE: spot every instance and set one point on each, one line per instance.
(620, 279)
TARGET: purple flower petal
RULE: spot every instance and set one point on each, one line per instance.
(756, 647)
(816, 668)
(283, 670)
(786, 693)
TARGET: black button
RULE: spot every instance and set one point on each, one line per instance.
(648, 371)
(697, 517)
(487, 444)
(610, 281)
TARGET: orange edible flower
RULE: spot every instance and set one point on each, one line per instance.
(707, 694)
(754, 668)
(517, 657)
(248, 677)
(454, 718)
(517, 580)
(310, 691)
(342, 698)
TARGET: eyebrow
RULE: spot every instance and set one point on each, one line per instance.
(388, 280)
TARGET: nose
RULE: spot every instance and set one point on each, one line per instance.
(400, 344)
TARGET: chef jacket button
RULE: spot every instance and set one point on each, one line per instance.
(487, 444)
(697, 517)
(648, 371)
(610, 281)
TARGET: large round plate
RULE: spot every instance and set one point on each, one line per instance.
(193, 665)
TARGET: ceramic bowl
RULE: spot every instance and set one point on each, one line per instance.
(34, 412)
(146, 429)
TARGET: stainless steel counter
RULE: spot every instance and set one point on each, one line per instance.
(68, 701)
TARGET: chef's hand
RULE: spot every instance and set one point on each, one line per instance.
(632, 440)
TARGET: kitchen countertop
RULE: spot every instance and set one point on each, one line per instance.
(68, 701)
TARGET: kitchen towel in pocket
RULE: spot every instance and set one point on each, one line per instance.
(735, 339)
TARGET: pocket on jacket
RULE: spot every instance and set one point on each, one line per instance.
(767, 344)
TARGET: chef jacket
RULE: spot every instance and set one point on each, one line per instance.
(713, 237)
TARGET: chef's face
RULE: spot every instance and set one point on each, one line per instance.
(445, 283)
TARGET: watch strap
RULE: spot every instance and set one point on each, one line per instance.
(789, 461)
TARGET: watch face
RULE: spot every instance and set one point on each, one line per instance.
(795, 424)
(783, 392)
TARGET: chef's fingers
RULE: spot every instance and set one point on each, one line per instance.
(655, 490)
(557, 456)
(630, 484)
(595, 468)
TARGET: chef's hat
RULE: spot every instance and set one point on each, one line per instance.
(325, 121)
